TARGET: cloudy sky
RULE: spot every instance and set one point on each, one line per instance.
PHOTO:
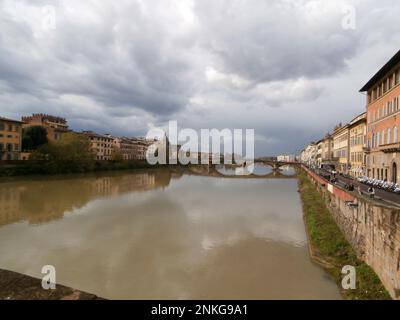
(290, 69)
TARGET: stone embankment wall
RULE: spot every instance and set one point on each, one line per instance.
(372, 229)
(16, 286)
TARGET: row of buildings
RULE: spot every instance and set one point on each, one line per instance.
(286, 158)
(369, 145)
(104, 147)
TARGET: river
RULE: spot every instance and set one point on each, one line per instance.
(162, 234)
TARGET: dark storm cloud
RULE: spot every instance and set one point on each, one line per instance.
(123, 61)
(124, 66)
(277, 40)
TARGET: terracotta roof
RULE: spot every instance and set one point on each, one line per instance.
(94, 134)
(10, 120)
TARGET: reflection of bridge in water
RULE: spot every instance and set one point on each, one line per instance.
(276, 165)
(214, 171)
(39, 200)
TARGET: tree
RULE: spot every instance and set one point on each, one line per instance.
(34, 137)
(27, 143)
(72, 153)
(117, 156)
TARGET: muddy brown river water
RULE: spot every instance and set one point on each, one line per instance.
(162, 234)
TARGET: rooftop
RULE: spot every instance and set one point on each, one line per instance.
(382, 72)
(43, 116)
(359, 118)
(97, 135)
(10, 120)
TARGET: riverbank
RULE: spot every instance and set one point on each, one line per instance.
(23, 168)
(330, 249)
(16, 286)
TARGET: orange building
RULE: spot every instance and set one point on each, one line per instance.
(55, 126)
(10, 139)
(383, 122)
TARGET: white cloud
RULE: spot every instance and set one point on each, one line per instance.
(124, 66)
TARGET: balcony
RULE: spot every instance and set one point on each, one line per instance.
(367, 149)
(390, 148)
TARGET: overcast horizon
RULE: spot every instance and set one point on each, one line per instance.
(290, 69)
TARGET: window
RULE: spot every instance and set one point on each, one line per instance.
(9, 147)
(378, 139)
(383, 137)
(388, 136)
(398, 77)
(2, 126)
(395, 135)
(1, 147)
(16, 147)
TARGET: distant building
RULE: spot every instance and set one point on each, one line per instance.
(125, 147)
(320, 146)
(286, 158)
(383, 118)
(341, 148)
(309, 155)
(357, 132)
(327, 150)
(55, 126)
(141, 145)
(10, 139)
(101, 145)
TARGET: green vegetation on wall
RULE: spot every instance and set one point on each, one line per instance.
(329, 245)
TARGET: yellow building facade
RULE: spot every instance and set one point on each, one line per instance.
(341, 149)
(55, 126)
(10, 139)
(357, 139)
(101, 146)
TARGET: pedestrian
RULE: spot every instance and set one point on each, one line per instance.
(371, 192)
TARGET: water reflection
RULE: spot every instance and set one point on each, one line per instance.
(38, 201)
(288, 171)
(162, 234)
(260, 170)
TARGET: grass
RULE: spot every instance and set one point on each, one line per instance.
(330, 246)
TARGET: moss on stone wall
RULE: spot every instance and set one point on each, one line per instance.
(330, 249)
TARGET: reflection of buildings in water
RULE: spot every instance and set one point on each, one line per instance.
(38, 201)
(9, 204)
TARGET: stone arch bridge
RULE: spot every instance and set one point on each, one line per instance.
(276, 165)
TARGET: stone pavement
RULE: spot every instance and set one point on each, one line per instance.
(15, 286)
